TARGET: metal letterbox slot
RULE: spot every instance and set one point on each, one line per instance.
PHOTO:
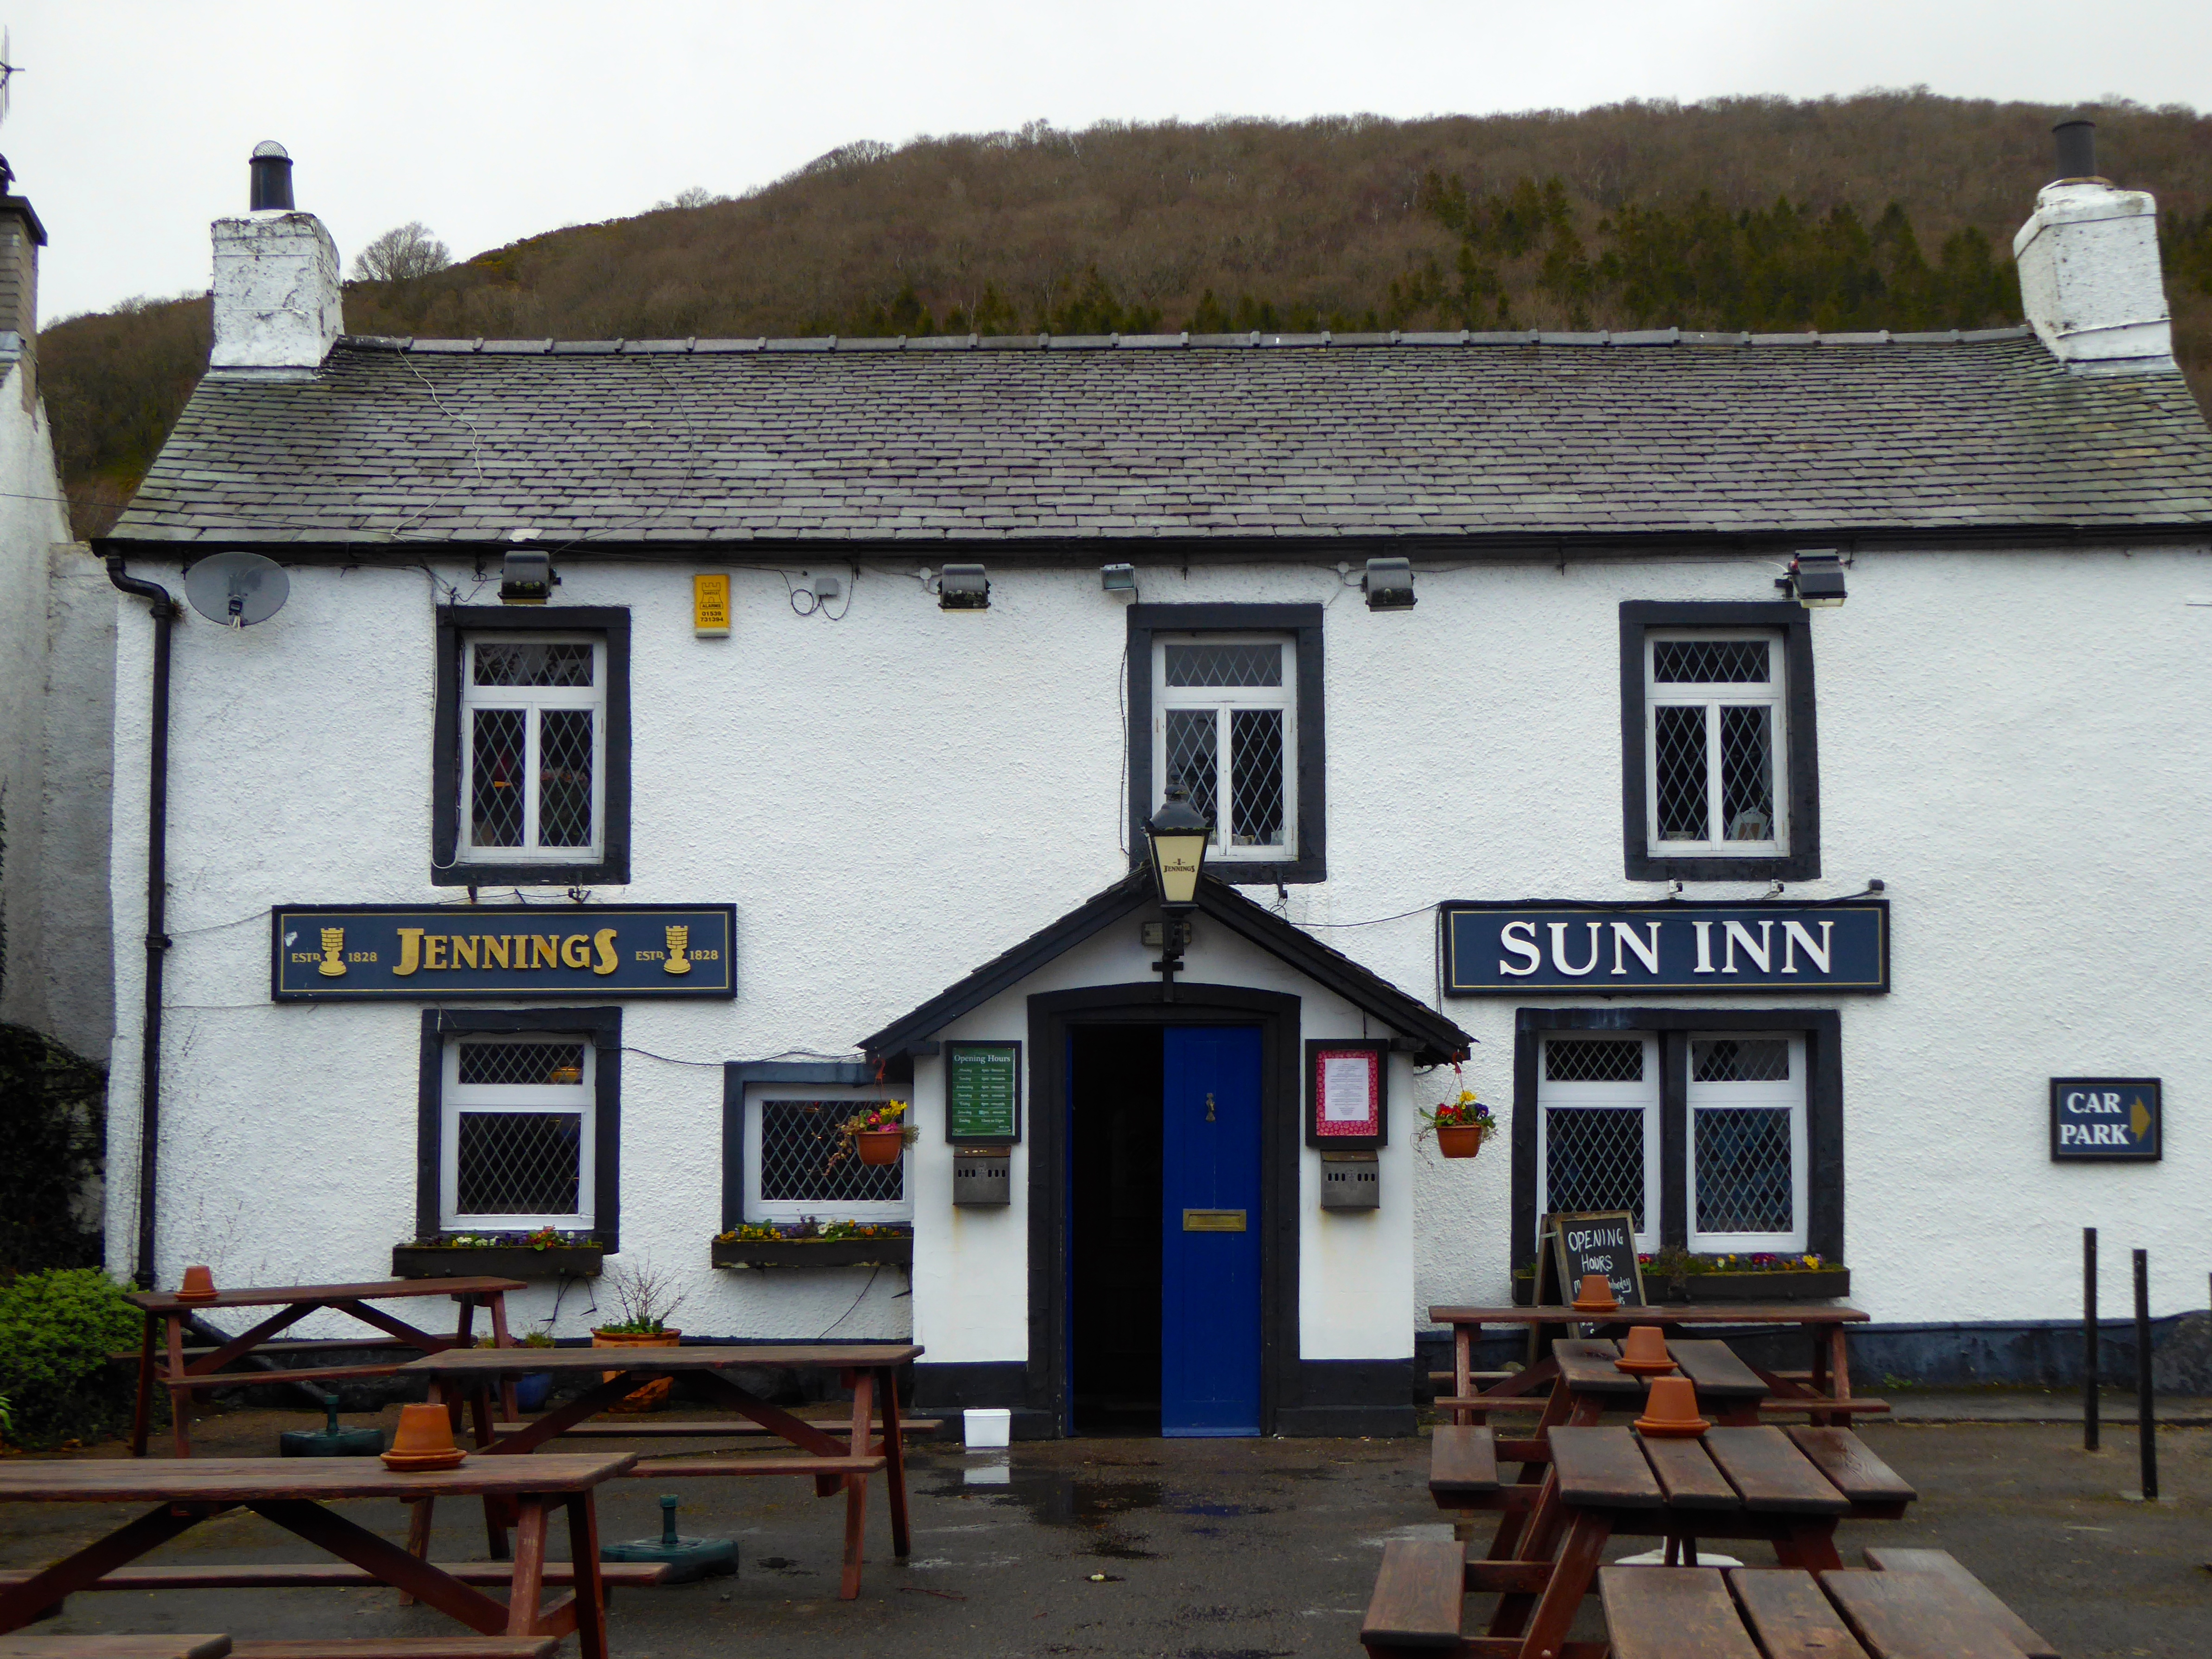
(982, 1177)
(1350, 1181)
(1214, 1221)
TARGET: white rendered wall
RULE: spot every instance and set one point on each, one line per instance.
(2014, 743)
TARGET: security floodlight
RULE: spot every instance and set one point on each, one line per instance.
(1389, 584)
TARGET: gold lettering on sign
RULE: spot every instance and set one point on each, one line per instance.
(333, 962)
(576, 952)
(679, 941)
(604, 940)
(464, 950)
(544, 950)
(410, 952)
(495, 949)
(434, 950)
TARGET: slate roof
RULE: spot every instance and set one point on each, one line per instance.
(1417, 440)
(1436, 1039)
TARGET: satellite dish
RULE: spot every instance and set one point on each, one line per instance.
(237, 589)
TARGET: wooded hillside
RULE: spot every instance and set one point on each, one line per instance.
(1892, 210)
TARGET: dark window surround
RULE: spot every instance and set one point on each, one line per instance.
(1302, 622)
(736, 1074)
(602, 1025)
(1823, 1109)
(613, 864)
(1803, 862)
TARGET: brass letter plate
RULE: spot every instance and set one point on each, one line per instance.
(1214, 1221)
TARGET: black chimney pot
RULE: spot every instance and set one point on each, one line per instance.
(272, 176)
(2077, 148)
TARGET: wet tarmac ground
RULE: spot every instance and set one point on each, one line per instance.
(1194, 1549)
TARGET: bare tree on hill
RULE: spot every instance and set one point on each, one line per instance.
(402, 254)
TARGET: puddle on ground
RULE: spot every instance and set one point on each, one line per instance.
(1057, 1497)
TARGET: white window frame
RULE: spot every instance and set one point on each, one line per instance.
(1643, 1093)
(532, 699)
(786, 1209)
(1223, 699)
(1790, 1093)
(456, 1098)
(1712, 698)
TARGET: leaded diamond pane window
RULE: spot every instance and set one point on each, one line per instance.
(804, 1156)
(1715, 743)
(516, 1116)
(1744, 1171)
(1594, 1159)
(534, 710)
(1740, 1060)
(1594, 1060)
(518, 1163)
(1226, 729)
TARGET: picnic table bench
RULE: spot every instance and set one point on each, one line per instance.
(113, 1646)
(102, 1646)
(1914, 1604)
(1823, 1391)
(184, 1373)
(872, 1440)
(294, 1493)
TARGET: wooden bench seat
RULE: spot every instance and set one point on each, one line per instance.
(1462, 1465)
(1673, 1612)
(1943, 1564)
(1788, 1615)
(1919, 1615)
(679, 1467)
(19, 1645)
(1419, 1592)
(736, 1428)
(316, 1575)
(400, 1646)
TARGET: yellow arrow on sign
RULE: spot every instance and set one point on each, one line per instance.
(2140, 1119)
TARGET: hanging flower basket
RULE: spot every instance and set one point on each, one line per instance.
(880, 1146)
(1459, 1140)
(1461, 1125)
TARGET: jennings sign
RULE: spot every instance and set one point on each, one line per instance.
(357, 952)
(1612, 949)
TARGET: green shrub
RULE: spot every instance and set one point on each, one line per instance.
(57, 1330)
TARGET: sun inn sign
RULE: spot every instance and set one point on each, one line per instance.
(1609, 949)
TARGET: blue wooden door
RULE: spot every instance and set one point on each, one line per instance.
(1211, 1227)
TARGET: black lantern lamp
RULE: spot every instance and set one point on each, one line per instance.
(1179, 833)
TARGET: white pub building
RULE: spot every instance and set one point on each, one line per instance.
(1772, 772)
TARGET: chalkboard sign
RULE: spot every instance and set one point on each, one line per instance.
(1573, 1245)
(982, 1093)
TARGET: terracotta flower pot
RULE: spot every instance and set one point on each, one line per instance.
(650, 1397)
(198, 1285)
(423, 1440)
(1458, 1139)
(1596, 1295)
(1644, 1352)
(880, 1146)
(1670, 1410)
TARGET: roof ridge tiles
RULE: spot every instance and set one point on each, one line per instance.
(1249, 340)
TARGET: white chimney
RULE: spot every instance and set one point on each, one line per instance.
(278, 304)
(2089, 277)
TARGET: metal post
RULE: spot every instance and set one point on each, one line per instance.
(2089, 1425)
(2145, 1422)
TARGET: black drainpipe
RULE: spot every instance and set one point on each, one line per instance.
(165, 612)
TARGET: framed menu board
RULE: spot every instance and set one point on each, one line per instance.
(1344, 1092)
(982, 1093)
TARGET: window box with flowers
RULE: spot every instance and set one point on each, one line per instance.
(1677, 1275)
(814, 1244)
(546, 1254)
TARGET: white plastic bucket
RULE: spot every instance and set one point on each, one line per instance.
(987, 1426)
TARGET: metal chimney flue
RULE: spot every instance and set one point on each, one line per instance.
(272, 176)
(2077, 148)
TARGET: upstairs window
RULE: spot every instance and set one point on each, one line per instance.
(1720, 779)
(533, 738)
(1225, 721)
(531, 755)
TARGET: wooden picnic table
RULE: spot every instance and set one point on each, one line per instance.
(1825, 1383)
(1766, 1612)
(185, 1374)
(869, 1370)
(293, 1492)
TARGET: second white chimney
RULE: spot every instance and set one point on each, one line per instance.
(279, 306)
(2089, 277)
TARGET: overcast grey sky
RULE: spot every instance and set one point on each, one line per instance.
(494, 119)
